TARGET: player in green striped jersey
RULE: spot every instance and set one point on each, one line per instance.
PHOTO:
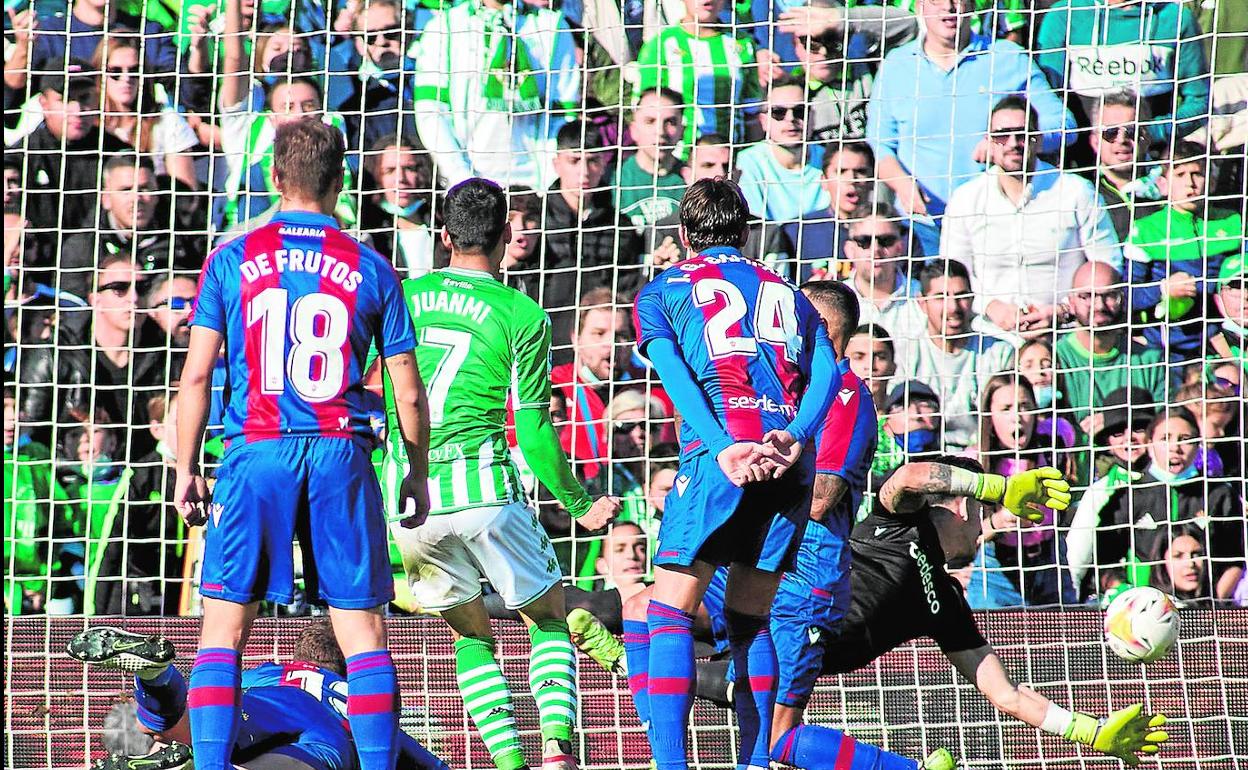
(479, 343)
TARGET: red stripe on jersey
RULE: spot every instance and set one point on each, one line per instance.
(788, 372)
(838, 426)
(264, 414)
(732, 371)
(333, 416)
(845, 753)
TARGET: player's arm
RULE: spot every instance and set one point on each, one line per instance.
(411, 406)
(825, 382)
(735, 458)
(194, 401)
(536, 434)
(908, 488)
(1122, 734)
(828, 491)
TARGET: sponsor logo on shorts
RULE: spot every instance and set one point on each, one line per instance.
(216, 509)
(682, 482)
(813, 634)
(925, 575)
(761, 403)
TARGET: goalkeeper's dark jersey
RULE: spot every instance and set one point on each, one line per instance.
(900, 592)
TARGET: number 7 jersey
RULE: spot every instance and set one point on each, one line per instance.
(480, 342)
(747, 335)
(299, 304)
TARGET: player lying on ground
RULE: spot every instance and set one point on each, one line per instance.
(926, 515)
(292, 715)
(296, 305)
(745, 358)
(481, 342)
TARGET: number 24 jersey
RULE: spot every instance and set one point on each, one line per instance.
(747, 335)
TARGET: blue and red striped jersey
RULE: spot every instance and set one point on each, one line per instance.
(747, 335)
(299, 303)
(846, 442)
(326, 686)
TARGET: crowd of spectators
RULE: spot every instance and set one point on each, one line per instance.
(1039, 204)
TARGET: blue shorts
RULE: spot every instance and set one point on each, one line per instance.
(708, 519)
(324, 491)
(287, 720)
(804, 620)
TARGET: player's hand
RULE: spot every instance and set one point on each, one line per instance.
(742, 462)
(1122, 734)
(414, 497)
(601, 513)
(788, 449)
(1026, 492)
(191, 496)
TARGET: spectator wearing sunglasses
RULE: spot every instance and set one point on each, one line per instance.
(1024, 227)
(1120, 148)
(880, 277)
(1228, 337)
(380, 101)
(169, 302)
(777, 177)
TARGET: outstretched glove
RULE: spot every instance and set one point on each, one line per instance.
(1023, 492)
(1122, 734)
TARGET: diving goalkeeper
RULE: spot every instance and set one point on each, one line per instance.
(927, 515)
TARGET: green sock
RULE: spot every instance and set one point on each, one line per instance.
(488, 700)
(552, 678)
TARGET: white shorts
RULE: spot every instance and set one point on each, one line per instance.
(446, 557)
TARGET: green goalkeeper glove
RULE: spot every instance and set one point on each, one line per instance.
(1021, 492)
(1121, 734)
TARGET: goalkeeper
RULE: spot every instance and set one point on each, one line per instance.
(927, 515)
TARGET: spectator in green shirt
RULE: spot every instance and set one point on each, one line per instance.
(650, 183)
(1098, 357)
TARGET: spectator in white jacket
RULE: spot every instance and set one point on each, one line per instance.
(1024, 227)
(495, 82)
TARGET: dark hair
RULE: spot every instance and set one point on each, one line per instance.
(877, 333)
(474, 213)
(842, 306)
(713, 213)
(1172, 413)
(941, 267)
(525, 201)
(284, 80)
(787, 81)
(860, 148)
(1123, 98)
(662, 91)
(876, 210)
(712, 140)
(1182, 152)
(1016, 102)
(317, 644)
(129, 160)
(578, 136)
(1155, 557)
(600, 298)
(307, 157)
(379, 147)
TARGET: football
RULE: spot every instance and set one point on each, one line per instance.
(1141, 624)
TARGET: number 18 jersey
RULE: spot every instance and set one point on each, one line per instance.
(299, 303)
(480, 342)
(747, 335)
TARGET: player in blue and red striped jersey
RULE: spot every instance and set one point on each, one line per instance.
(749, 366)
(278, 716)
(297, 305)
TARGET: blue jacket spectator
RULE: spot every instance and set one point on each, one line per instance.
(79, 33)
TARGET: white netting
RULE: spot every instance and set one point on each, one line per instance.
(1132, 101)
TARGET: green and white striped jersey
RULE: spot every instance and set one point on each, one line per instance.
(479, 342)
(716, 75)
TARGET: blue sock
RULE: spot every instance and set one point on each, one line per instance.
(373, 708)
(670, 684)
(161, 700)
(417, 756)
(637, 653)
(754, 658)
(822, 748)
(213, 705)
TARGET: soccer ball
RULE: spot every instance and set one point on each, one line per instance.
(1141, 624)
